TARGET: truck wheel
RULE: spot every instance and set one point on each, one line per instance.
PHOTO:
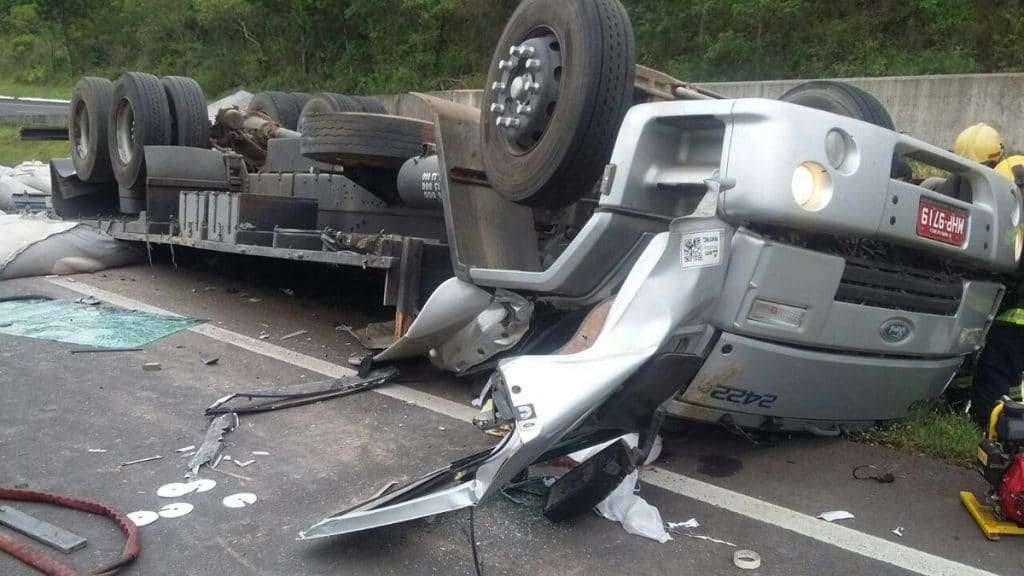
(560, 82)
(370, 105)
(87, 129)
(281, 107)
(139, 116)
(371, 140)
(190, 124)
(325, 103)
(840, 98)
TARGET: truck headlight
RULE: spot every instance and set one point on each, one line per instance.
(811, 186)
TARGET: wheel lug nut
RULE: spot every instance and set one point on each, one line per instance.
(533, 87)
(533, 64)
(498, 86)
(497, 108)
(505, 65)
(522, 51)
(523, 109)
(499, 121)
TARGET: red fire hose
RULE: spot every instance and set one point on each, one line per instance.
(51, 567)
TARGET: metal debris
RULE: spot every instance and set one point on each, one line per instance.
(210, 447)
(240, 500)
(88, 300)
(143, 517)
(53, 536)
(99, 350)
(746, 560)
(97, 450)
(260, 453)
(175, 510)
(244, 463)
(299, 394)
(211, 361)
(898, 531)
(188, 448)
(141, 460)
(232, 474)
(151, 366)
(295, 334)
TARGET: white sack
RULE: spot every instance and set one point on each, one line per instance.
(636, 515)
(37, 246)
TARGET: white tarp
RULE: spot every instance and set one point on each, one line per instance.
(33, 245)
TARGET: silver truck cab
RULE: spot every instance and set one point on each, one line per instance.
(749, 262)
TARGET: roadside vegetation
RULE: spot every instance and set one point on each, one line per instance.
(939, 432)
(380, 46)
(13, 151)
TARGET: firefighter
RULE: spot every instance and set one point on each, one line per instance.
(981, 143)
(1001, 363)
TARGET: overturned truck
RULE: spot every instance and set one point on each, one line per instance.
(619, 247)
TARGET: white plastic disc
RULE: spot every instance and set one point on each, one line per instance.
(240, 500)
(174, 490)
(143, 517)
(175, 510)
(203, 485)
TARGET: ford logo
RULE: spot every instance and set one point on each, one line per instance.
(895, 330)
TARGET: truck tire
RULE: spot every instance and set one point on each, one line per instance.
(370, 105)
(139, 116)
(326, 103)
(564, 113)
(840, 98)
(190, 123)
(370, 140)
(281, 107)
(87, 129)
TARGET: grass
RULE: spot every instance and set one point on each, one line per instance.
(13, 151)
(11, 88)
(939, 433)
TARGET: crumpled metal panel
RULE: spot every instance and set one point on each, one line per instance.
(553, 395)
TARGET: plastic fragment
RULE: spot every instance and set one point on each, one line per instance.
(240, 500)
(143, 517)
(175, 510)
(746, 559)
(835, 515)
(691, 523)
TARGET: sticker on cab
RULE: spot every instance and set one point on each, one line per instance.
(701, 249)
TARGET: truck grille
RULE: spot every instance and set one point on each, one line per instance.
(899, 288)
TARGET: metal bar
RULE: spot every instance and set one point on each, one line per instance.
(49, 133)
(345, 258)
(53, 536)
(409, 274)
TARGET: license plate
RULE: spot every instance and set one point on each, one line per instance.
(941, 223)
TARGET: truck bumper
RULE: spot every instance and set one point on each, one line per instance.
(755, 382)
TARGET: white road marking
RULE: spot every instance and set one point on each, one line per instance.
(429, 401)
(842, 537)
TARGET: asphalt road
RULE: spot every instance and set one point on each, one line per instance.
(326, 456)
(17, 108)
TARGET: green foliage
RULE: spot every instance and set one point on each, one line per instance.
(374, 46)
(940, 433)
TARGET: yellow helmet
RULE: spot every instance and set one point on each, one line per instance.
(1006, 167)
(980, 143)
